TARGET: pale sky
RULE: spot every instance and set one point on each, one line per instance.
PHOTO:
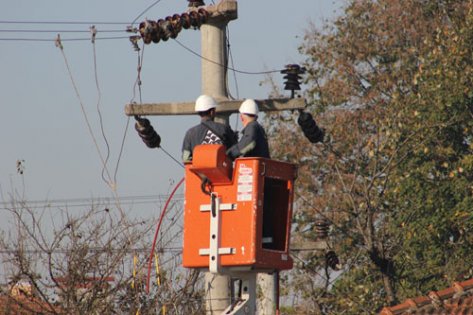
(41, 121)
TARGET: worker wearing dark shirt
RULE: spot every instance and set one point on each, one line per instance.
(253, 142)
(208, 131)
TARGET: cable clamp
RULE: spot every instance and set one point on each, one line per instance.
(134, 42)
(93, 31)
(58, 42)
(131, 29)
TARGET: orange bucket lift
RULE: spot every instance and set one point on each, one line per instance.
(237, 217)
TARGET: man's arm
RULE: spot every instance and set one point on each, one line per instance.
(246, 143)
(231, 137)
(186, 148)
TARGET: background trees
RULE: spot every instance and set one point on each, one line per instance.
(390, 82)
(94, 261)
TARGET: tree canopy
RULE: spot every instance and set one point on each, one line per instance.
(391, 83)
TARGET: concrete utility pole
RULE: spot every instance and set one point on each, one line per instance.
(214, 63)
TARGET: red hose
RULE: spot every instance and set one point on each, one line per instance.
(157, 232)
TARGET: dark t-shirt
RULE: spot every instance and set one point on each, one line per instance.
(253, 142)
(207, 132)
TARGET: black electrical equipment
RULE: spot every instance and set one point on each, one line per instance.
(309, 127)
(147, 133)
(292, 77)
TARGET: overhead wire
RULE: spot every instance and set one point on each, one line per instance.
(67, 205)
(84, 113)
(64, 22)
(56, 31)
(230, 59)
(144, 11)
(90, 249)
(93, 31)
(223, 66)
(137, 82)
(122, 147)
(17, 39)
(172, 157)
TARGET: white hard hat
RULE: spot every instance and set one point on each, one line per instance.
(204, 103)
(249, 106)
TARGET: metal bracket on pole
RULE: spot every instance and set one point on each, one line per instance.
(246, 303)
(215, 250)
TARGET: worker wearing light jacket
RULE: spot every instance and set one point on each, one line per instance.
(253, 142)
(208, 131)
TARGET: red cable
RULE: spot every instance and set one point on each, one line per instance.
(157, 232)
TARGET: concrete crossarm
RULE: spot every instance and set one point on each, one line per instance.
(226, 106)
(227, 10)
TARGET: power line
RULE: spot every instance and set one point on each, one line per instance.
(17, 39)
(223, 66)
(65, 22)
(82, 202)
(145, 10)
(91, 249)
(137, 197)
(58, 31)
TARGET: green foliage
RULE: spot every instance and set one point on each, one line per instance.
(392, 84)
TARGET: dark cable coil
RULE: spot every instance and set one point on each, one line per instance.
(147, 133)
(332, 260)
(310, 128)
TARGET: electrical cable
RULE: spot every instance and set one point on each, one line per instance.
(122, 146)
(223, 66)
(230, 58)
(89, 127)
(63, 40)
(81, 202)
(65, 22)
(58, 31)
(320, 213)
(90, 249)
(93, 30)
(331, 282)
(157, 232)
(175, 160)
(146, 10)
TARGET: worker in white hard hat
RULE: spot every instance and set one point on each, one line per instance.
(253, 142)
(208, 131)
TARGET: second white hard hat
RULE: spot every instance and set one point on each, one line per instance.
(204, 103)
(249, 106)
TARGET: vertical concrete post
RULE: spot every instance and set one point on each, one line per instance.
(267, 297)
(214, 61)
